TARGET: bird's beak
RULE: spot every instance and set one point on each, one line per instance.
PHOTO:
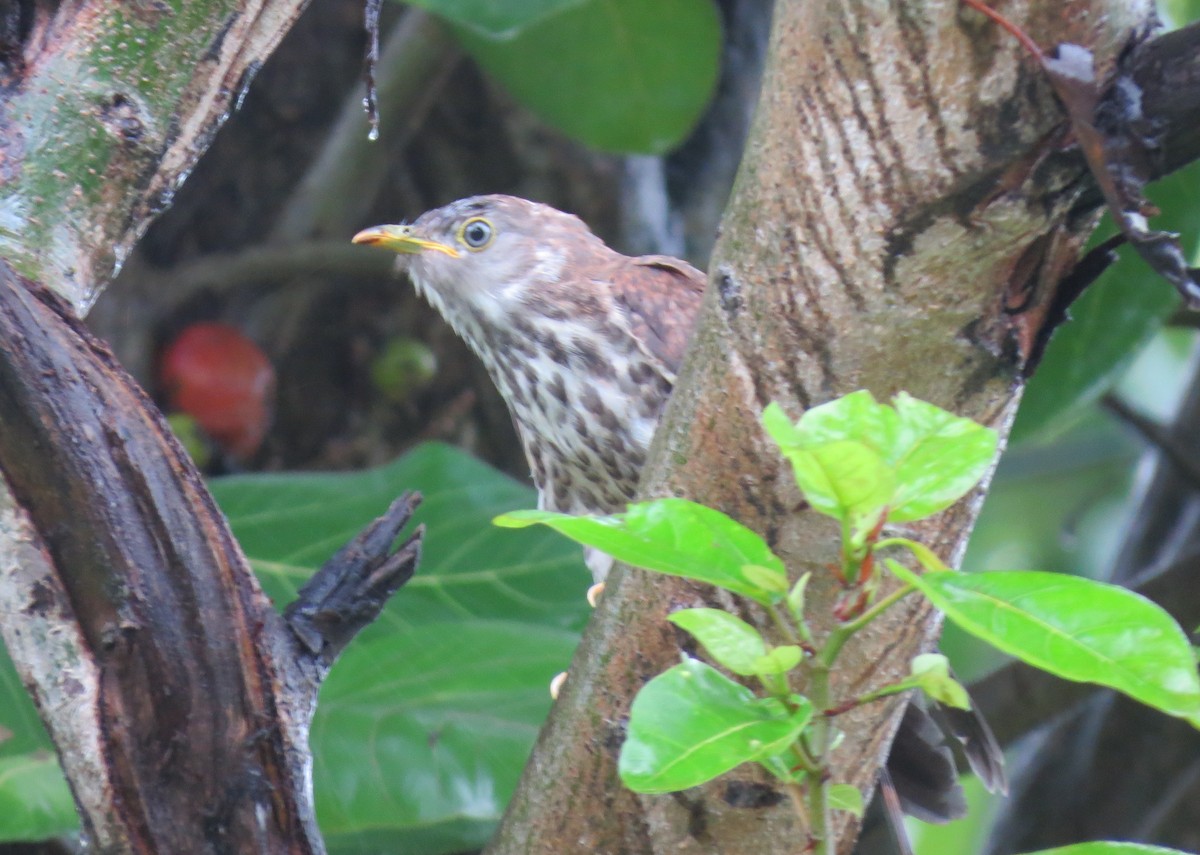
(401, 239)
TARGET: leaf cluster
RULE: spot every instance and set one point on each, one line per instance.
(870, 466)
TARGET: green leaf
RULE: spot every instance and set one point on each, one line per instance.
(779, 427)
(925, 556)
(856, 416)
(778, 660)
(289, 524)
(427, 718)
(839, 476)
(1076, 628)
(673, 536)
(729, 640)
(766, 578)
(1111, 322)
(846, 797)
(496, 20)
(931, 671)
(421, 735)
(853, 457)
(619, 75)
(1179, 12)
(691, 724)
(796, 596)
(844, 479)
(1108, 847)
(938, 459)
(35, 802)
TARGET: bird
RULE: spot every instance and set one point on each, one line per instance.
(584, 345)
(582, 342)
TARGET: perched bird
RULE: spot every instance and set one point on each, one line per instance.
(583, 344)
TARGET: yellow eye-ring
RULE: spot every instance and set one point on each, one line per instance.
(476, 233)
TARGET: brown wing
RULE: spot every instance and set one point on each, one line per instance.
(662, 295)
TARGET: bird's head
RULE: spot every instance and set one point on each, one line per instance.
(484, 252)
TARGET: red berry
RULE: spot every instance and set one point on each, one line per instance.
(224, 381)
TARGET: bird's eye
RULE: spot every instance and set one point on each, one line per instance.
(476, 233)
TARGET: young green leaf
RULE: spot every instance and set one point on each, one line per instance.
(678, 537)
(840, 475)
(857, 417)
(846, 480)
(924, 555)
(1076, 628)
(846, 797)
(766, 578)
(919, 459)
(779, 427)
(938, 459)
(795, 597)
(729, 640)
(1109, 847)
(931, 671)
(779, 765)
(692, 723)
(779, 660)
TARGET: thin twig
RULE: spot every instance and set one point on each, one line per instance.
(1181, 456)
(258, 265)
(344, 179)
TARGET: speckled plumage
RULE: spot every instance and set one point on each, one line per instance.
(582, 342)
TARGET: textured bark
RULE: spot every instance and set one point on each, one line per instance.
(176, 732)
(897, 223)
(106, 108)
(178, 701)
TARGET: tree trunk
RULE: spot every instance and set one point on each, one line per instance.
(900, 222)
(179, 702)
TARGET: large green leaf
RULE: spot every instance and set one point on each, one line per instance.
(421, 735)
(620, 75)
(496, 19)
(19, 721)
(426, 720)
(692, 723)
(1180, 12)
(1113, 320)
(289, 524)
(679, 537)
(35, 802)
(1077, 628)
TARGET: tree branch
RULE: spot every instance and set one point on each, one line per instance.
(178, 700)
(353, 586)
(103, 117)
(182, 701)
(866, 246)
